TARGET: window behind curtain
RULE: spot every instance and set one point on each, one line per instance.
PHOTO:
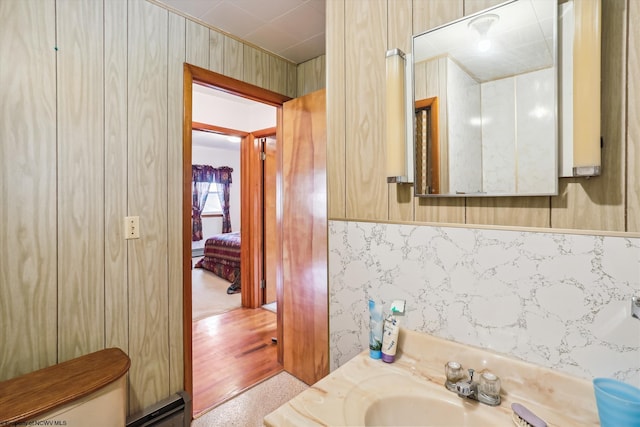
(212, 206)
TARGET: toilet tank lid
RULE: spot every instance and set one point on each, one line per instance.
(32, 394)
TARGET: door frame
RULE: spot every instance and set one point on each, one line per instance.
(194, 74)
(269, 157)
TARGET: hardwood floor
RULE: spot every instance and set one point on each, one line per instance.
(232, 352)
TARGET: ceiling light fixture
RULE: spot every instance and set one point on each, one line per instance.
(482, 24)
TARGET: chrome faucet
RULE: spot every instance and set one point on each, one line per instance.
(486, 390)
(467, 388)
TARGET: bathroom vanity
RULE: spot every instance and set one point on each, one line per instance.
(411, 391)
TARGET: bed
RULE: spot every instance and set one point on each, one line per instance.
(222, 257)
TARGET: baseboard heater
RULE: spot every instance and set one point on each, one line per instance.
(174, 411)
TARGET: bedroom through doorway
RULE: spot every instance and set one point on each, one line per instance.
(234, 339)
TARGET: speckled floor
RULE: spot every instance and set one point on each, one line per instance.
(249, 408)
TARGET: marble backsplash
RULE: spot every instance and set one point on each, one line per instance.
(562, 301)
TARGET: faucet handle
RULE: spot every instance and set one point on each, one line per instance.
(453, 372)
(489, 388)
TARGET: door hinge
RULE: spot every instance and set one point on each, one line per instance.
(263, 155)
(263, 284)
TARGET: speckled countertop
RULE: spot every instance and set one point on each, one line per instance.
(342, 398)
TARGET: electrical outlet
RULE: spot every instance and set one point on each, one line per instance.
(132, 227)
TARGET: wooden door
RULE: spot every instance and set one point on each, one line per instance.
(270, 221)
(251, 249)
(304, 294)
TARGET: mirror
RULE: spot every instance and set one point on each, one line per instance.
(485, 91)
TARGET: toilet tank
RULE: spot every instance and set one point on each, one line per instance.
(90, 390)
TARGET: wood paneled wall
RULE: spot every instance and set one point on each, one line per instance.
(633, 117)
(364, 76)
(359, 32)
(90, 132)
(311, 75)
(28, 216)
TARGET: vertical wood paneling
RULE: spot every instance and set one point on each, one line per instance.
(633, 121)
(80, 188)
(28, 187)
(115, 161)
(366, 185)
(233, 58)
(428, 14)
(443, 120)
(256, 66)
(598, 203)
(302, 70)
(420, 85)
(336, 102)
(147, 197)
(277, 75)
(446, 209)
(515, 211)
(292, 77)
(197, 44)
(521, 211)
(311, 75)
(399, 32)
(216, 51)
(176, 57)
(473, 6)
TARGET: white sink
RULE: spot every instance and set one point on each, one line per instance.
(404, 400)
(419, 411)
(411, 391)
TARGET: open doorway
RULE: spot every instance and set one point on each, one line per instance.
(257, 143)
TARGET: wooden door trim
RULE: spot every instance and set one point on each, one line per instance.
(236, 87)
(187, 128)
(204, 127)
(432, 104)
(265, 133)
(261, 135)
(251, 221)
(279, 266)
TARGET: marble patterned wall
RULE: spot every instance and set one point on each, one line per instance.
(465, 135)
(536, 131)
(555, 300)
(498, 135)
(519, 134)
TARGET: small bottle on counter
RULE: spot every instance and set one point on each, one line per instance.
(391, 331)
(375, 330)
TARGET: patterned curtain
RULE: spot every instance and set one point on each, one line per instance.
(223, 180)
(201, 177)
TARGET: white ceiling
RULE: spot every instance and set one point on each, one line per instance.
(216, 107)
(293, 29)
(522, 40)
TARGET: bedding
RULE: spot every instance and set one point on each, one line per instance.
(222, 257)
